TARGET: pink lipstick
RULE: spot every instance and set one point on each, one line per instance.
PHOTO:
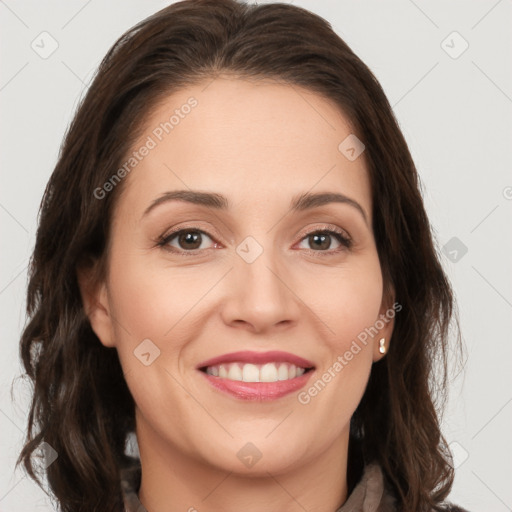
(259, 376)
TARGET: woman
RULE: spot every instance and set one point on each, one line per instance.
(281, 361)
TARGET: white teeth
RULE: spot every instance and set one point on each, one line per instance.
(269, 372)
(250, 373)
(282, 373)
(234, 373)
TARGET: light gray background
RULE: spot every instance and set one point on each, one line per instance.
(455, 114)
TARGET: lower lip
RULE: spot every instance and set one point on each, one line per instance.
(261, 391)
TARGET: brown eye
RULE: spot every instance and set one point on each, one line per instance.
(189, 240)
(185, 240)
(320, 241)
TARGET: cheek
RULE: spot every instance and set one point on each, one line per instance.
(346, 301)
(144, 309)
(153, 302)
(151, 329)
(157, 310)
(349, 309)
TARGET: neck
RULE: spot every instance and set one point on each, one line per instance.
(174, 481)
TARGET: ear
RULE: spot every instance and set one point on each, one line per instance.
(385, 323)
(96, 304)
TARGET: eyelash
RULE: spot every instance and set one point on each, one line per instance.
(340, 236)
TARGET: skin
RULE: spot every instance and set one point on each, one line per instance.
(259, 143)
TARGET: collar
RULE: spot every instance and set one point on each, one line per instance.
(369, 495)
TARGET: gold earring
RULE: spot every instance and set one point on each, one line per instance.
(382, 345)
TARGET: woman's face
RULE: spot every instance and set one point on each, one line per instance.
(249, 273)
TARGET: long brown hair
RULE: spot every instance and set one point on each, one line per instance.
(81, 405)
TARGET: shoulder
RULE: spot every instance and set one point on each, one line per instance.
(130, 477)
(450, 507)
(379, 496)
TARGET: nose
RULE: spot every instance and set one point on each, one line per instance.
(259, 295)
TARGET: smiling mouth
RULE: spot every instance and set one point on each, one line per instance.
(248, 372)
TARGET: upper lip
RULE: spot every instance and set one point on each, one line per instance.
(246, 356)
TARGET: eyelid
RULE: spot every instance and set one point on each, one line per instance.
(326, 227)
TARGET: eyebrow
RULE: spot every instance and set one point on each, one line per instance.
(305, 201)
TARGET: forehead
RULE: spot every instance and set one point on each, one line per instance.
(251, 140)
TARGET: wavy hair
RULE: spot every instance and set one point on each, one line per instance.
(81, 405)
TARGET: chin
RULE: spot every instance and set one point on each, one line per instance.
(257, 455)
